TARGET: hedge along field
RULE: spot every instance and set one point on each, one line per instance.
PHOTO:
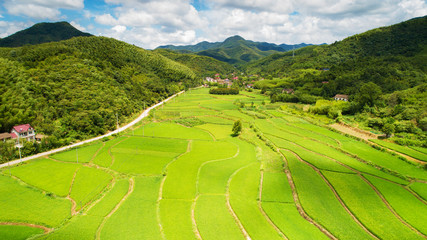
(367, 206)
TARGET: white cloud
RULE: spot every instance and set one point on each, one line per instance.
(41, 9)
(151, 23)
(78, 26)
(9, 28)
(119, 28)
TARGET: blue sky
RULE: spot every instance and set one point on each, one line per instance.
(150, 23)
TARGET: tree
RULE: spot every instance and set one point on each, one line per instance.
(388, 129)
(237, 128)
(368, 94)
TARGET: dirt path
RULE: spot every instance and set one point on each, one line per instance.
(298, 203)
(354, 131)
(96, 153)
(130, 190)
(193, 219)
(121, 129)
(261, 180)
(73, 202)
(45, 229)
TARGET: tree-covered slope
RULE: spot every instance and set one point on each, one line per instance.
(42, 33)
(73, 89)
(392, 57)
(201, 65)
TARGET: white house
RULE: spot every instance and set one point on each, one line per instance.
(341, 97)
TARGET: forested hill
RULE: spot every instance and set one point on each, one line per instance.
(73, 89)
(42, 33)
(235, 50)
(393, 58)
(202, 66)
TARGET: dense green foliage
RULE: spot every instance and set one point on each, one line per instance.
(78, 88)
(42, 33)
(224, 91)
(202, 66)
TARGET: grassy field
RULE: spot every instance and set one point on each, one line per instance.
(402, 149)
(179, 174)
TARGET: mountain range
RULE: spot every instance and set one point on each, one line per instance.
(235, 50)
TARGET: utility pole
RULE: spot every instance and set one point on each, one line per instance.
(117, 120)
(19, 148)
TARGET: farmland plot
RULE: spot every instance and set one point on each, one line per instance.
(182, 176)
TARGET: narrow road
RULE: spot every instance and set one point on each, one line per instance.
(139, 118)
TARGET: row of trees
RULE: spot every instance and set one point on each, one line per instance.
(224, 91)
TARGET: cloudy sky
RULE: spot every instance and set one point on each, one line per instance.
(150, 23)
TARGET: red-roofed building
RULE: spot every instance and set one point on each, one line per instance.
(24, 131)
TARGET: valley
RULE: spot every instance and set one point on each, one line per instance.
(179, 174)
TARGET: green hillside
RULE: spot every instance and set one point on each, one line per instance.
(73, 89)
(383, 72)
(235, 50)
(391, 57)
(201, 65)
(42, 33)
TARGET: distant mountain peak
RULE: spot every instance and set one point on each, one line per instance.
(234, 38)
(41, 33)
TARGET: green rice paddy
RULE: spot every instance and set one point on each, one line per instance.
(181, 175)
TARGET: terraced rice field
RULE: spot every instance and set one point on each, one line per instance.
(181, 175)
